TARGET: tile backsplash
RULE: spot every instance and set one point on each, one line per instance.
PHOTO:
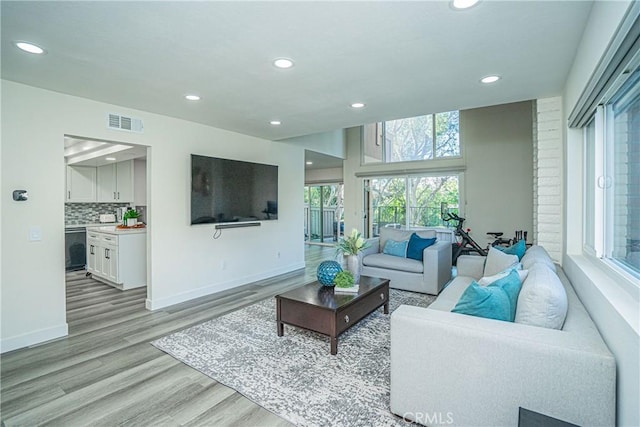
(89, 213)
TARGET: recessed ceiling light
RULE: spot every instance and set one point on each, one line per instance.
(283, 63)
(111, 159)
(463, 4)
(490, 79)
(308, 163)
(275, 122)
(357, 105)
(192, 97)
(30, 47)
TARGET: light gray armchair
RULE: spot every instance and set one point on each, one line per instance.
(427, 276)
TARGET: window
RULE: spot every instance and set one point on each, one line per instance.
(409, 201)
(590, 186)
(323, 213)
(612, 179)
(428, 137)
(622, 182)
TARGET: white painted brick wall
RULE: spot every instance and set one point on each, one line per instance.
(548, 176)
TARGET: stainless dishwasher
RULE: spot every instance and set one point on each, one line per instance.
(75, 240)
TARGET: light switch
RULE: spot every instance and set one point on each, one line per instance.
(35, 234)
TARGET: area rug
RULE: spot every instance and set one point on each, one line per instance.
(295, 376)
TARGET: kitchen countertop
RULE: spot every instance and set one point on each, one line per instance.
(111, 229)
(92, 224)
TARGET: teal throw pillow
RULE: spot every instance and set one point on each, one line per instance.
(497, 300)
(518, 249)
(418, 244)
(396, 248)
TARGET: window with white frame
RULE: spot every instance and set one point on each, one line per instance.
(427, 137)
(409, 201)
(612, 179)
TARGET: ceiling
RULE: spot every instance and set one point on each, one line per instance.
(83, 152)
(401, 59)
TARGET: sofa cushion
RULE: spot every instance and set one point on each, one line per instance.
(391, 262)
(537, 254)
(498, 261)
(417, 245)
(543, 299)
(395, 248)
(518, 249)
(494, 301)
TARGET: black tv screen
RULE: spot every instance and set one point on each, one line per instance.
(224, 190)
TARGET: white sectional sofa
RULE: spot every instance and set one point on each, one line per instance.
(426, 276)
(474, 371)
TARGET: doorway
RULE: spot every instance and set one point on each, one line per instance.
(323, 213)
(106, 181)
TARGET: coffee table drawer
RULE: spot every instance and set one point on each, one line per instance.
(306, 316)
(350, 315)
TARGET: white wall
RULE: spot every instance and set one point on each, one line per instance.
(549, 176)
(331, 143)
(323, 176)
(611, 301)
(184, 262)
(498, 153)
(140, 182)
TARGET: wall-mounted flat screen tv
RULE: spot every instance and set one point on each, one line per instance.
(224, 190)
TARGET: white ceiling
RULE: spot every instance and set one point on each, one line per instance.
(400, 58)
(83, 152)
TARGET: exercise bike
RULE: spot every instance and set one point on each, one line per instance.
(466, 245)
(498, 240)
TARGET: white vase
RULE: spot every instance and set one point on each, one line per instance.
(131, 222)
(353, 265)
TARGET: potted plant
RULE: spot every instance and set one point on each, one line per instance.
(344, 279)
(351, 246)
(131, 217)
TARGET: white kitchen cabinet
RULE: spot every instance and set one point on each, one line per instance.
(94, 259)
(109, 254)
(115, 182)
(119, 257)
(81, 184)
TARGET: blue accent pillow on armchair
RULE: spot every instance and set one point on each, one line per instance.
(396, 248)
(497, 300)
(418, 244)
(518, 249)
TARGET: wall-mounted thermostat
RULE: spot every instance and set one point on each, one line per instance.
(20, 195)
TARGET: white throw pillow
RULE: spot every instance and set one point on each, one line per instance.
(498, 261)
(490, 279)
(542, 300)
(537, 254)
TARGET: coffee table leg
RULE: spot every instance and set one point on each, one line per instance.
(334, 345)
(386, 308)
(280, 325)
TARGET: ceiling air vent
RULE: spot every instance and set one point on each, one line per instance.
(129, 124)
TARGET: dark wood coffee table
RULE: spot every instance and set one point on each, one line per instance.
(317, 308)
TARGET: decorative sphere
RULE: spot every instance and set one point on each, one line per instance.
(327, 271)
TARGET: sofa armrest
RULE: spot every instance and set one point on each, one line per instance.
(471, 266)
(436, 261)
(478, 371)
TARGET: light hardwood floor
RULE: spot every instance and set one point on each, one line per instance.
(105, 372)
